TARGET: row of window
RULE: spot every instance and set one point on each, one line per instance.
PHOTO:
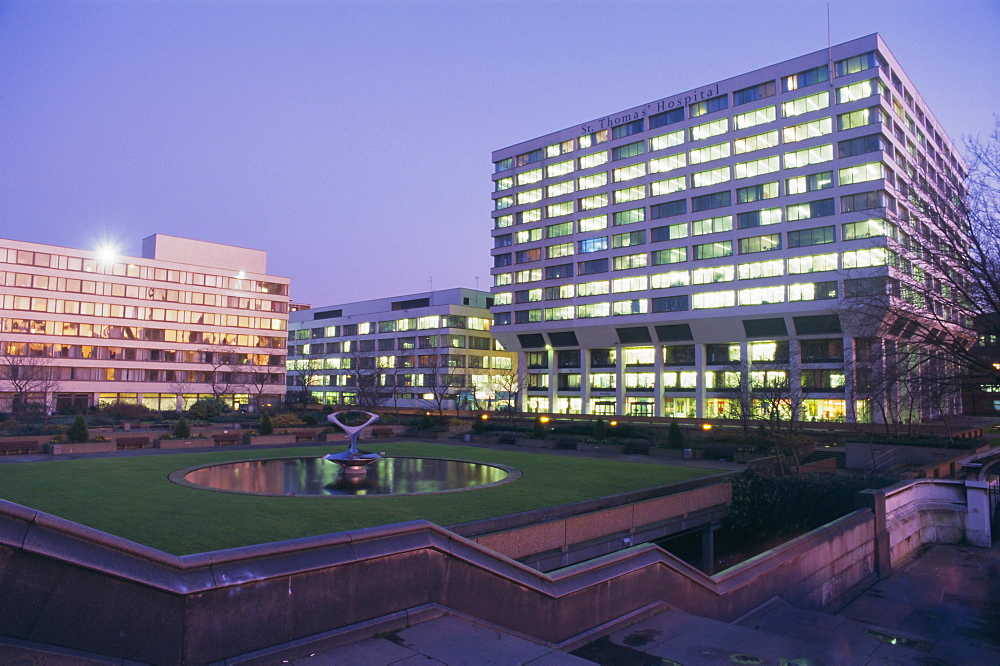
(820, 380)
(102, 353)
(739, 171)
(66, 285)
(390, 361)
(394, 325)
(67, 263)
(139, 333)
(390, 344)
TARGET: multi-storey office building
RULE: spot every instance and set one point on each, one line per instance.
(426, 350)
(187, 320)
(655, 260)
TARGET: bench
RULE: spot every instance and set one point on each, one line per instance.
(224, 438)
(382, 432)
(19, 447)
(306, 435)
(132, 442)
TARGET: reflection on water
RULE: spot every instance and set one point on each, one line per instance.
(315, 476)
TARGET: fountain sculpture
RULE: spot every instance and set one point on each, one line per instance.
(352, 461)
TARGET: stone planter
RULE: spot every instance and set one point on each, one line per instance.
(600, 448)
(671, 454)
(536, 443)
(426, 434)
(256, 440)
(184, 443)
(83, 447)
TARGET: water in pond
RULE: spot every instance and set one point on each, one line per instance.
(315, 476)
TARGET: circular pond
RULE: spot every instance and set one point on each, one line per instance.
(318, 477)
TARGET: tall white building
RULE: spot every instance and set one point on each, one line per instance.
(186, 320)
(660, 259)
(430, 350)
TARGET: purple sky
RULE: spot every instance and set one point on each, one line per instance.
(352, 140)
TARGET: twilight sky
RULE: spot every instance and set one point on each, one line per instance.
(352, 140)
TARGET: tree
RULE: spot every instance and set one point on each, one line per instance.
(77, 431)
(223, 376)
(304, 372)
(369, 394)
(255, 376)
(27, 373)
(508, 387)
(942, 288)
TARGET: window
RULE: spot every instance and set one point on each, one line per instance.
(559, 314)
(503, 202)
(712, 225)
(768, 114)
(595, 223)
(757, 192)
(596, 201)
(711, 201)
(559, 169)
(596, 288)
(670, 304)
(809, 130)
(528, 256)
(810, 209)
(502, 260)
(559, 271)
(529, 196)
(628, 150)
(559, 293)
(861, 173)
(761, 269)
(671, 279)
(589, 310)
(764, 165)
(627, 129)
(753, 93)
(669, 232)
(502, 279)
(628, 261)
(713, 274)
(868, 229)
(527, 316)
(860, 90)
(594, 138)
(797, 107)
(812, 291)
(503, 240)
(807, 156)
(503, 165)
(628, 239)
(593, 266)
(561, 229)
(859, 118)
(668, 163)
(674, 255)
(862, 145)
(668, 209)
(504, 221)
(713, 299)
(756, 142)
(528, 158)
(864, 258)
(555, 210)
(857, 63)
(501, 318)
(758, 218)
(528, 216)
(761, 295)
(807, 78)
(503, 184)
(814, 236)
(666, 118)
(710, 177)
(816, 263)
(866, 201)
(630, 194)
(709, 106)
(593, 245)
(668, 186)
(559, 189)
(635, 283)
(865, 287)
(710, 129)
(529, 177)
(630, 216)
(557, 251)
(528, 236)
(713, 250)
(629, 172)
(811, 183)
(594, 159)
(760, 243)
(527, 296)
(666, 140)
(709, 153)
(531, 275)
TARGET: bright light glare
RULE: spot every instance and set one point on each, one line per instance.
(107, 254)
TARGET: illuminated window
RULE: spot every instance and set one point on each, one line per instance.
(628, 261)
(757, 192)
(761, 269)
(811, 183)
(528, 236)
(559, 293)
(674, 255)
(630, 194)
(592, 181)
(594, 138)
(668, 163)
(504, 221)
(561, 250)
(666, 140)
(762, 295)
(630, 216)
(559, 314)
(765, 243)
(809, 130)
(503, 279)
(712, 225)
(635, 283)
(807, 156)
(858, 63)
(813, 291)
(869, 229)
(638, 355)
(756, 142)
(529, 196)
(594, 159)
(503, 202)
(668, 186)
(635, 306)
(768, 114)
(628, 239)
(816, 263)
(758, 218)
(669, 232)
(713, 250)
(713, 299)
(531, 275)
(555, 210)
(671, 279)
(864, 258)
(860, 118)
(710, 129)
(593, 244)
(810, 209)
(861, 173)
(528, 216)
(559, 169)
(529, 177)
(596, 288)
(629, 172)
(797, 107)
(709, 153)
(561, 229)
(710, 177)
(761, 166)
(713, 274)
(596, 201)
(559, 189)
(595, 223)
(503, 184)
(857, 91)
(589, 310)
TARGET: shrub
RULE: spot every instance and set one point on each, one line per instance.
(208, 408)
(286, 420)
(128, 410)
(600, 430)
(479, 425)
(183, 429)
(266, 425)
(538, 429)
(675, 438)
(78, 431)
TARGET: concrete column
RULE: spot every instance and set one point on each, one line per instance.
(875, 500)
(708, 549)
(700, 392)
(619, 381)
(584, 381)
(658, 380)
(850, 381)
(977, 519)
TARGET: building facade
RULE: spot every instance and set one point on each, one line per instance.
(690, 256)
(186, 320)
(430, 350)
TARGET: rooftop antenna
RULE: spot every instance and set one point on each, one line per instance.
(477, 283)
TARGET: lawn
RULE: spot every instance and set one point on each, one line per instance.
(132, 497)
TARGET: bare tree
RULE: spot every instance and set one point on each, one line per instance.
(509, 386)
(369, 393)
(27, 373)
(256, 376)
